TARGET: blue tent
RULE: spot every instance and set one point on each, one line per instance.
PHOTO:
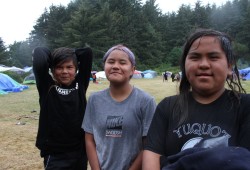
(148, 74)
(7, 84)
(3, 92)
(245, 73)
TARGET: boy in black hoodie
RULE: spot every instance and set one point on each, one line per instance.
(62, 99)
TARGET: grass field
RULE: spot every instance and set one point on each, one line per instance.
(19, 118)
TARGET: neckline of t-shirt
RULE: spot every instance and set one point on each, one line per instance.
(125, 100)
(211, 103)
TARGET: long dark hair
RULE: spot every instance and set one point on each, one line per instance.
(180, 111)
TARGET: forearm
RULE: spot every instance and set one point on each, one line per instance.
(41, 61)
(84, 57)
(150, 160)
(91, 152)
(137, 164)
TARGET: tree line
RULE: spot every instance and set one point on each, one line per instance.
(155, 37)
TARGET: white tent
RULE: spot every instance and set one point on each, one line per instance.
(27, 69)
(101, 74)
(13, 68)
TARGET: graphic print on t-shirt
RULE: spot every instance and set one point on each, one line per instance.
(63, 91)
(213, 135)
(114, 126)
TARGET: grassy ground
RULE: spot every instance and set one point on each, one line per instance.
(19, 117)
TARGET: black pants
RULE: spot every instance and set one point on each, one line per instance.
(66, 161)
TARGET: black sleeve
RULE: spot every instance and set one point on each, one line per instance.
(156, 138)
(84, 58)
(245, 121)
(41, 57)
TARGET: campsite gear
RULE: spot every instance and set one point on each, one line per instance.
(101, 74)
(149, 74)
(7, 84)
(245, 73)
(13, 69)
(137, 74)
(30, 79)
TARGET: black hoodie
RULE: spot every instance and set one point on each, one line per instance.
(61, 108)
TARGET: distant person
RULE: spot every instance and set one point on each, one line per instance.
(165, 76)
(177, 77)
(173, 77)
(206, 126)
(94, 77)
(62, 99)
(117, 119)
(142, 75)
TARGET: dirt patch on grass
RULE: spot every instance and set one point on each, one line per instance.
(17, 146)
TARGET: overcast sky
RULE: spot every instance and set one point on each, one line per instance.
(18, 17)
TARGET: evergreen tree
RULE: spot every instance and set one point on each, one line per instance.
(154, 37)
(21, 54)
(4, 59)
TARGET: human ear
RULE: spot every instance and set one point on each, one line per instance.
(230, 72)
(133, 70)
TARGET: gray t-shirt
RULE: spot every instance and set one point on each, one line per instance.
(118, 127)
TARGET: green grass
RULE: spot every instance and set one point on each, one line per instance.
(155, 87)
(246, 85)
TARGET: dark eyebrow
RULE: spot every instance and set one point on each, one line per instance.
(215, 52)
(198, 54)
(110, 59)
(194, 53)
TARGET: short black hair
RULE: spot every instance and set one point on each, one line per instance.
(63, 54)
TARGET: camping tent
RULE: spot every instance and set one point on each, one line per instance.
(101, 74)
(148, 74)
(13, 68)
(245, 73)
(3, 92)
(137, 74)
(28, 69)
(7, 84)
(30, 79)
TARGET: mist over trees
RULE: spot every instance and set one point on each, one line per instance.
(155, 37)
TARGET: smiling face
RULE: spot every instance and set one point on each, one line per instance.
(118, 68)
(64, 73)
(206, 67)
